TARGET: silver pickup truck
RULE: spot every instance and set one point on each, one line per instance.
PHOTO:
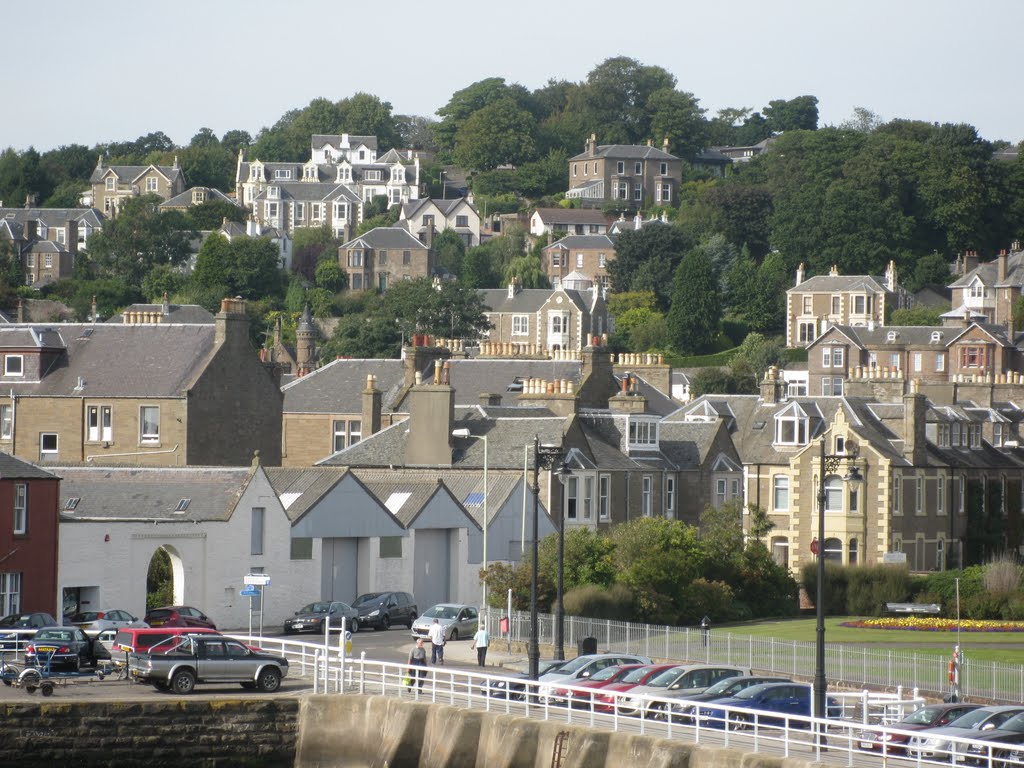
(193, 659)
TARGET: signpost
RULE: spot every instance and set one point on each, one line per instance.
(255, 584)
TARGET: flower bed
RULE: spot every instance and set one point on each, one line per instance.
(927, 624)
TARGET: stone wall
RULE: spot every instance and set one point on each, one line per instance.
(177, 732)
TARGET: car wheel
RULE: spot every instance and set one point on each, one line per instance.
(412, 618)
(46, 689)
(454, 635)
(385, 622)
(269, 680)
(184, 681)
(355, 626)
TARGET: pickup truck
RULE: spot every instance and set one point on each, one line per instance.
(193, 659)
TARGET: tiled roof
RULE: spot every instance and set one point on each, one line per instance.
(54, 217)
(837, 283)
(570, 242)
(16, 469)
(320, 140)
(185, 198)
(312, 191)
(386, 238)
(627, 152)
(988, 273)
(526, 300)
(338, 386)
(571, 216)
(127, 173)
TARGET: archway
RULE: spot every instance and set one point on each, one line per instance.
(165, 578)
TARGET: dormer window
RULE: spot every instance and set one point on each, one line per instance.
(110, 183)
(282, 173)
(891, 336)
(978, 290)
(792, 426)
(373, 175)
(643, 433)
(704, 412)
(254, 173)
(310, 173)
(398, 174)
(14, 365)
(198, 196)
(936, 337)
(273, 192)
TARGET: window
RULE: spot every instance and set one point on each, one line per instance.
(373, 175)
(942, 438)
(258, 521)
(341, 211)
(10, 593)
(6, 422)
(382, 257)
(355, 431)
(271, 209)
(940, 362)
(149, 424)
(390, 547)
(601, 261)
(638, 191)
(638, 168)
(406, 258)
(780, 551)
(720, 488)
(807, 332)
(808, 304)
(826, 357)
(919, 496)
(665, 190)
(301, 549)
(282, 173)
(110, 183)
(853, 551)
(832, 386)
(837, 357)
(918, 362)
(621, 190)
(579, 261)
(1000, 434)
(861, 305)
(151, 184)
(316, 211)
(339, 435)
(355, 258)
(571, 498)
(575, 167)
(356, 281)
(940, 555)
(972, 357)
(664, 169)
(974, 436)
(428, 221)
(854, 499)
(897, 492)
(559, 324)
(833, 494)
(780, 493)
(588, 498)
(48, 442)
(462, 221)
(837, 305)
(14, 365)
(954, 434)
(940, 496)
(520, 325)
(670, 495)
(299, 211)
(100, 423)
(20, 508)
(643, 433)
(48, 261)
(791, 426)
(556, 259)
(620, 167)
(646, 497)
(604, 486)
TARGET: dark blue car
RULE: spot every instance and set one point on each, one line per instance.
(788, 699)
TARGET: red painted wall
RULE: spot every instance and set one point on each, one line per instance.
(33, 553)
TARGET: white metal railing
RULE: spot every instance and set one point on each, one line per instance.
(845, 666)
(841, 739)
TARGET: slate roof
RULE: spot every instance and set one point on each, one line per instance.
(626, 151)
(595, 242)
(988, 273)
(338, 386)
(128, 173)
(605, 436)
(137, 494)
(527, 300)
(55, 217)
(298, 489)
(470, 377)
(572, 216)
(385, 238)
(184, 314)
(312, 191)
(113, 359)
(839, 283)
(184, 200)
(446, 206)
(911, 335)
(16, 469)
(320, 140)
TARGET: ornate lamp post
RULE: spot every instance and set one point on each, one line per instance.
(829, 465)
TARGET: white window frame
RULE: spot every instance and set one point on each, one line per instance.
(940, 362)
(109, 184)
(56, 444)
(152, 184)
(833, 494)
(6, 422)
(664, 169)
(800, 424)
(520, 325)
(355, 431)
(919, 496)
(338, 435)
(643, 433)
(18, 370)
(620, 166)
(780, 486)
(670, 495)
(588, 498)
(20, 509)
(646, 495)
(571, 503)
(601, 260)
(918, 362)
(10, 592)
(99, 424)
(897, 494)
(940, 496)
(604, 492)
(284, 174)
(148, 438)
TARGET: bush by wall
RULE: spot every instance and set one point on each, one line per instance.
(597, 602)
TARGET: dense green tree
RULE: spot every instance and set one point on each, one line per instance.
(753, 357)
(295, 295)
(862, 120)
(139, 238)
(247, 266)
(162, 279)
(67, 194)
(716, 380)
(211, 215)
(696, 309)
(22, 177)
(616, 99)
(754, 130)
(209, 165)
(640, 329)
(799, 114)
(415, 132)
(363, 114)
(676, 115)
(740, 212)
(721, 129)
(235, 140)
(646, 258)
(204, 137)
(330, 276)
(500, 133)
(920, 315)
(466, 102)
(528, 270)
(449, 251)
(931, 269)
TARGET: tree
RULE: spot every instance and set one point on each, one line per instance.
(930, 269)
(716, 380)
(466, 102)
(247, 266)
(753, 357)
(616, 99)
(330, 276)
(500, 133)
(639, 330)
(740, 212)
(162, 279)
(646, 258)
(235, 140)
(204, 138)
(677, 117)
(449, 251)
(415, 132)
(863, 120)
(211, 214)
(696, 304)
(528, 270)
(363, 114)
(799, 114)
(920, 315)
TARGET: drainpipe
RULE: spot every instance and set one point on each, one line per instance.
(14, 423)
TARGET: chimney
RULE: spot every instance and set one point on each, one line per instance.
(890, 276)
(915, 409)
(771, 386)
(834, 272)
(489, 399)
(418, 355)
(1002, 266)
(431, 416)
(514, 287)
(371, 407)
(628, 400)
(1015, 246)
(21, 310)
(94, 315)
(252, 228)
(165, 307)
(664, 144)
(232, 322)
(970, 261)
(597, 378)
(30, 230)
(638, 220)
(800, 274)
(72, 238)
(429, 234)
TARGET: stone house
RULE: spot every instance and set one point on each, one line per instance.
(29, 504)
(539, 320)
(427, 216)
(567, 221)
(47, 240)
(588, 255)
(142, 392)
(384, 255)
(991, 289)
(111, 185)
(634, 176)
(285, 206)
(194, 196)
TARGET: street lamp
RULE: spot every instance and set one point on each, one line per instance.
(544, 457)
(483, 582)
(440, 180)
(563, 473)
(829, 465)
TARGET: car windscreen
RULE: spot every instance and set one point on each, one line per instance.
(636, 675)
(751, 693)
(315, 608)
(665, 678)
(971, 719)
(54, 634)
(1015, 724)
(575, 665)
(608, 673)
(369, 597)
(726, 686)
(441, 612)
(923, 716)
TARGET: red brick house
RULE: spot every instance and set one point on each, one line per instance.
(29, 501)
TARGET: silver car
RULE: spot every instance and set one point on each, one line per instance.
(456, 621)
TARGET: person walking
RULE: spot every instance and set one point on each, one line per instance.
(481, 640)
(417, 665)
(436, 635)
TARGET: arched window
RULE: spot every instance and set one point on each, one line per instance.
(833, 494)
(833, 550)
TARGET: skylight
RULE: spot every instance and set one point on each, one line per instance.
(474, 499)
(182, 506)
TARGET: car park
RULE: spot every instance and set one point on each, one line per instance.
(680, 679)
(383, 610)
(514, 687)
(582, 693)
(311, 617)
(94, 622)
(928, 716)
(609, 699)
(17, 628)
(1002, 747)
(54, 648)
(456, 620)
(937, 743)
(684, 707)
(754, 704)
(178, 616)
(583, 668)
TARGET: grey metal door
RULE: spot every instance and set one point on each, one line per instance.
(432, 576)
(338, 574)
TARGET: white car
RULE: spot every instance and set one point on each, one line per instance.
(94, 622)
(457, 621)
(581, 668)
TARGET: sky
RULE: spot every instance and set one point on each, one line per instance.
(121, 69)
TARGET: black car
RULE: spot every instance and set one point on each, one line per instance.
(17, 628)
(999, 747)
(310, 618)
(383, 610)
(60, 648)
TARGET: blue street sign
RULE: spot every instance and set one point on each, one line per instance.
(250, 592)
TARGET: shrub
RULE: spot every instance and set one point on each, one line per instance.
(869, 588)
(1002, 575)
(983, 606)
(834, 587)
(597, 602)
(940, 587)
(701, 598)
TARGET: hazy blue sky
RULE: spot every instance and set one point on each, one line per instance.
(96, 72)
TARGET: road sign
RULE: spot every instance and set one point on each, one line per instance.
(256, 580)
(250, 591)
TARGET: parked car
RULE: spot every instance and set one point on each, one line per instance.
(456, 621)
(683, 710)
(936, 743)
(131, 639)
(208, 658)
(310, 618)
(60, 648)
(94, 622)
(787, 699)
(582, 693)
(514, 687)
(178, 616)
(1000, 747)
(17, 628)
(928, 716)
(679, 680)
(609, 701)
(382, 610)
(583, 668)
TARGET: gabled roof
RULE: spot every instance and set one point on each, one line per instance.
(337, 387)
(594, 242)
(840, 283)
(571, 216)
(988, 273)
(171, 494)
(320, 140)
(526, 300)
(446, 206)
(131, 173)
(12, 468)
(298, 489)
(380, 238)
(55, 217)
(311, 191)
(625, 152)
(184, 200)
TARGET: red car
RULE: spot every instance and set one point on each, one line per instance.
(605, 701)
(928, 716)
(178, 616)
(583, 698)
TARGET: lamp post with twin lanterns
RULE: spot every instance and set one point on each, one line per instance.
(544, 457)
(483, 581)
(829, 465)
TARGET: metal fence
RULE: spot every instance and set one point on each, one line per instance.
(845, 666)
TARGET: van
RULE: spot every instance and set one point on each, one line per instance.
(141, 639)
